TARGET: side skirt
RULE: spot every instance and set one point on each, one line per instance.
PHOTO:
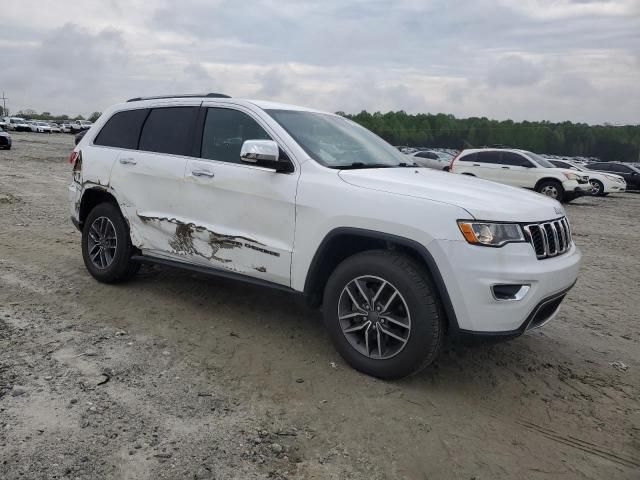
(217, 272)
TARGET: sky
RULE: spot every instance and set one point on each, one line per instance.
(556, 60)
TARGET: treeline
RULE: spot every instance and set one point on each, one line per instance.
(46, 116)
(607, 142)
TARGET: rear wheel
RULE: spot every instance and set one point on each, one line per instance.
(106, 245)
(383, 314)
(553, 189)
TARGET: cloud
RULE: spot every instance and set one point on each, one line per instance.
(521, 59)
(514, 71)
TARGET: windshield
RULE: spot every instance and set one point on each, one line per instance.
(336, 142)
(543, 162)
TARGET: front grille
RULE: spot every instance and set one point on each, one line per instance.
(549, 239)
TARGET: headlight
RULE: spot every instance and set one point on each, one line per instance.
(571, 176)
(491, 234)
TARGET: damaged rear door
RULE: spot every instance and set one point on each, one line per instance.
(241, 217)
(149, 179)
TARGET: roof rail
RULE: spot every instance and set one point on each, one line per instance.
(184, 95)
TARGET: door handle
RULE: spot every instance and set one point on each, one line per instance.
(202, 173)
(128, 161)
(476, 164)
(506, 168)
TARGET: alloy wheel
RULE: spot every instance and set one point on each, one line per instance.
(550, 191)
(595, 187)
(374, 317)
(102, 242)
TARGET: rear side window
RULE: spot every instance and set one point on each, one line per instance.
(122, 130)
(225, 131)
(169, 130)
(468, 158)
(488, 157)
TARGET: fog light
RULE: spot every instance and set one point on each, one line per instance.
(504, 292)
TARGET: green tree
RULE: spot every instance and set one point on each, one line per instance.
(94, 116)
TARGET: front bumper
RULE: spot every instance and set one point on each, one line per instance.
(469, 272)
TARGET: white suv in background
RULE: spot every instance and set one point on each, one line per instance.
(520, 168)
(601, 183)
(314, 204)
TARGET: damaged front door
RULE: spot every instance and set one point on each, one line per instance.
(240, 217)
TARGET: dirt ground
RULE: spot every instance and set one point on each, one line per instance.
(179, 375)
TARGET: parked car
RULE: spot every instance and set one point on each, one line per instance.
(40, 127)
(431, 159)
(18, 124)
(3, 123)
(398, 257)
(55, 128)
(79, 125)
(630, 173)
(601, 183)
(520, 168)
(79, 136)
(66, 127)
(5, 139)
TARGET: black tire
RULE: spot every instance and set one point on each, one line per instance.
(121, 267)
(598, 188)
(552, 186)
(412, 282)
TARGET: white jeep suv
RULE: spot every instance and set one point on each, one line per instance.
(314, 204)
(521, 168)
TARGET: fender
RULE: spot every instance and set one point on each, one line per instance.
(388, 238)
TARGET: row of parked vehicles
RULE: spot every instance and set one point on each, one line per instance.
(18, 124)
(560, 179)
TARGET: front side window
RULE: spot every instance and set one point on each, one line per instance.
(225, 131)
(169, 130)
(543, 162)
(122, 130)
(599, 166)
(513, 159)
(336, 142)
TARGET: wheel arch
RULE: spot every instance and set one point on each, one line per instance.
(547, 179)
(92, 197)
(343, 242)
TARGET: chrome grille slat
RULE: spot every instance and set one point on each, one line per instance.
(549, 239)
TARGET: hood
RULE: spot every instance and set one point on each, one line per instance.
(483, 199)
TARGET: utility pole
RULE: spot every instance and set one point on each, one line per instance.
(4, 104)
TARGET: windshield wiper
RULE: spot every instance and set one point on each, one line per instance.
(357, 165)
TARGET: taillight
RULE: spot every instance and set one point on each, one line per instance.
(73, 156)
(453, 160)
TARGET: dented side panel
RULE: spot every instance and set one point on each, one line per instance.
(243, 216)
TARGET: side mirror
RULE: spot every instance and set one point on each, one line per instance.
(264, 153)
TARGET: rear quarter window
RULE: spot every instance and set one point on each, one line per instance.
(122, 130)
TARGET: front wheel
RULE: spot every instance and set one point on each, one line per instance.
(553, 189)
(106, 245)
(383, 314)
(597, 188)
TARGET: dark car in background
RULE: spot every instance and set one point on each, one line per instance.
(5, 139)
(630, 173)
